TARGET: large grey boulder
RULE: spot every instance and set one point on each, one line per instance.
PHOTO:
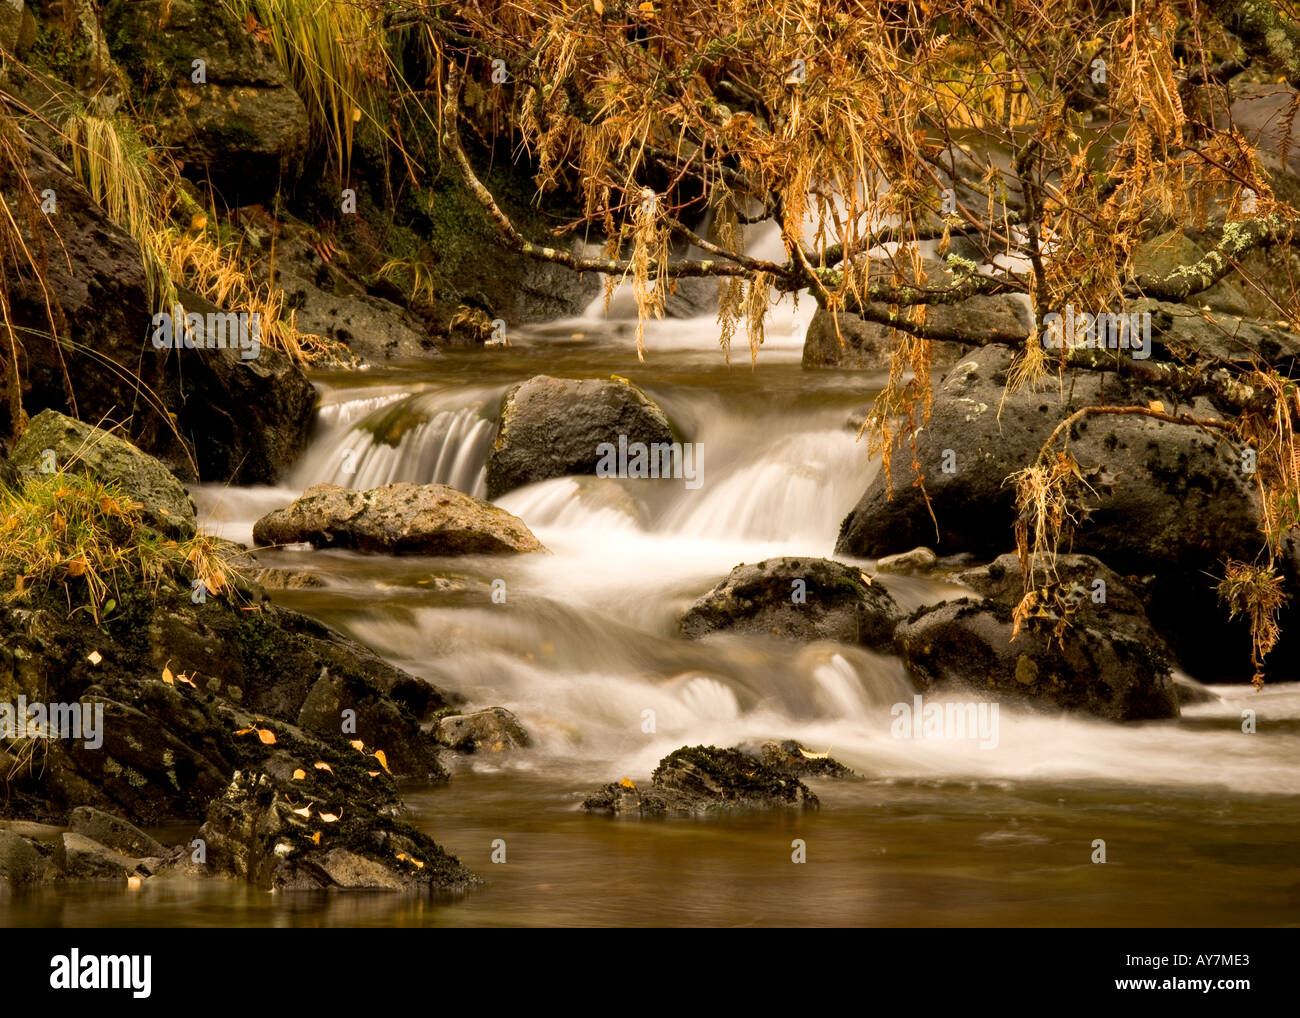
(553, 427)
(1171, 500)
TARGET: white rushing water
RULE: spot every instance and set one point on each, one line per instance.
(586, 643)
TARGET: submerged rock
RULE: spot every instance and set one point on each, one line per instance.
(397, 519)
(702, 780)
(553, 427)
(967, 644)
(797, 599)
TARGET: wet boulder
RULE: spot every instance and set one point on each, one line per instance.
(967, 644)
(1086, 588)
(21, 864)
(397, 519)
(491, 730)
(1169, 500)
(554, 427)
(797, 599)
(83, 448)
(701, 781)
(796, 760)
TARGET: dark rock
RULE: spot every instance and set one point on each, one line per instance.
(836, 602)
(245, 130)
(1180, 502)
(964, 644)
(401, 519)
(113, 832)
(246, 420)
(278, 833)
(552, 427)
(794, 759)
(327, 299)
(1112, 606)
(703, 780)
(20, 863)
(95, 274)
(492, 730)
(83, 448)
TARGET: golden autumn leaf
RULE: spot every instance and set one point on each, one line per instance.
(374, 774)
(628, 783)
(77, 567)
(383, 760)
(417, 863)
(315, 838)
(1157, 406)
(598, 7)
(184, 678)
(330, 818)
(170, 679)
(299, 774)
(266, 735)
(357, 744)
(133, 882)
(321, 765)
(305, 811)
(94, 657)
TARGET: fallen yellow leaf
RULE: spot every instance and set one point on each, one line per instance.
(305, 811)
(315, 838)
(628, 783)
(357, 744)
(167, 676)
(94, 657)
(321, 765)
(330, 818)
(267, 736)
(383, 760)
(299, 774)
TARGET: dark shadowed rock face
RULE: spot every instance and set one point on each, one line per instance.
(552, 427)
(700, 780)
(965, 644)
(95, 274)
(244, 420)
(430, 519)
(1179, 503)
(797, 599)
(243, 130)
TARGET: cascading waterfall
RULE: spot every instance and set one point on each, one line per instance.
(418, 438)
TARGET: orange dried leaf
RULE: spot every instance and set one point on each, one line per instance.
(383, 760)
(321, 765)
(299, 774)
(267, 736)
